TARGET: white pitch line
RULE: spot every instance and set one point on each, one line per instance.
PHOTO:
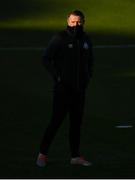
(124, 126)
(96, 47)
(115, 46)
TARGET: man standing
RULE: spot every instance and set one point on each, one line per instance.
(68, 58)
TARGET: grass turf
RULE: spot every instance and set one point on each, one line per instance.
(25, 106)
(114, 16)
(32, 22)
(26, 110)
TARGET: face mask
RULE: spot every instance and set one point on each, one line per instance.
(76, 31)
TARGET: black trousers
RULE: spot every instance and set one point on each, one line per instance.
(65, 101)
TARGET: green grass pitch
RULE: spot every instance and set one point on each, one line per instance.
(26, 90)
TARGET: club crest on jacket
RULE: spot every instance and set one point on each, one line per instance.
(70, 45)
(86, 46)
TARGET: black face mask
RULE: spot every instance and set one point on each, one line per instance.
(75, 31)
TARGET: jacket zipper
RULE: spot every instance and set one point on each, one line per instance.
(78, 64)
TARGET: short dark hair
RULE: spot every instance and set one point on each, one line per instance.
(76, 13)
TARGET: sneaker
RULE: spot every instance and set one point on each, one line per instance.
(80, 161)
(42, 160)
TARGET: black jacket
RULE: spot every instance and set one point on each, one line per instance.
(69, 60)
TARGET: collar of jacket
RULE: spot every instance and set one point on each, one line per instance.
(70, 33)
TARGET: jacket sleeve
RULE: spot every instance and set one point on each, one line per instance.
(50, 56)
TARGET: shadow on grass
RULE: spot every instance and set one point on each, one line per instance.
(40, 38)
(15, 9)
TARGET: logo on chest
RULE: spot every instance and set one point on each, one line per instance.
(70, 46)
(85, 45)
